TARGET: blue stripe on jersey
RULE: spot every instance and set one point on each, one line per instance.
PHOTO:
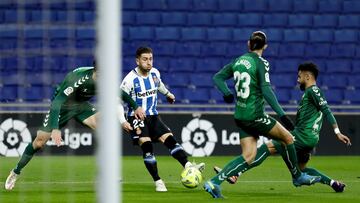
(137, 88)
(157, 84)
(149, 100)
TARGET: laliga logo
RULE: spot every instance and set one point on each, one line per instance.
(14, 137)
(199, 138)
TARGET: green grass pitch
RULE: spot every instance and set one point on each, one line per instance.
(73, 179)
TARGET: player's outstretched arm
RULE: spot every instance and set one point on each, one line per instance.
(220, 82)
(169, 96)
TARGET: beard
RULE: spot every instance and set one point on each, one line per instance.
(302, 87)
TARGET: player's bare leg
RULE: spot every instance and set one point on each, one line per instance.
(40, 140)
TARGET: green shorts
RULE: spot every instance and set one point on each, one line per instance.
(79, 112)
(303, 154)
(255, 128)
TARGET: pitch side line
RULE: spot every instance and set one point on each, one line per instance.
(150, 182)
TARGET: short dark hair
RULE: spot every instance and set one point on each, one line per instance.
(142, 50)
(309, 66)
(257, 40)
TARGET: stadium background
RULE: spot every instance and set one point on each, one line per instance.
(40, 41)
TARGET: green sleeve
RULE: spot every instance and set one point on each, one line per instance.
(220, 79)
(127, 98)
(55, 107)
(264, 79)
(321, 104)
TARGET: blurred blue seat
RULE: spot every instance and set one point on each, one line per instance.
(216, 96)
(199, 19)
(330, 6)
(193, 34)
(321, 35)
(295, 35)
(9, 79)
(274, 35)
(334, 96)
(176, 5)
(162, 64)
(202, 80)
(283, 80)
(150, 5)
(272, 50)
(346, 36)
(33, 16)
(85, 38)
(128, 64)
(38, 79)
(148, 18)
(61, 16)
(8, 38)
(219, 34)
(305, 6)
(182, 65)
(317, 50)
(88, 16)
(275, 20)
(8, 93)
(59, 37)
(283, 95)
(33, 37)
(177, 80)
(10, 16)
(351, 6)
(249, 19)
(343, 50)
(242, 34)
(349, 21)
(254, 5)
(292, 49)
(286, 65)
(208, 65)
(300, 20)
(57, 78)
(188, 49)
(280, 6)
(128, 18)
(325, 21)
(167, 33)
(9, 64)
(197, 96)
(85, 5)
(163, 49)
(34, 64)
(355, 66)
(295, 96)
(338, 66)
(205, 5)
(357, 54)
(179, 95)
(173, 18)
(225, 19)
(31, 94)
(335, 81)
(230, 5)
(354, 81)
(141, 33)
(352, 96)
(131, 5)
(214, 49)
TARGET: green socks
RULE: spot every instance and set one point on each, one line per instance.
(324, 179)
(288, 154)
(25, 158)
(233, 168)
(261, 154)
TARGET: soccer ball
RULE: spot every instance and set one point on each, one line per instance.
(191, 177)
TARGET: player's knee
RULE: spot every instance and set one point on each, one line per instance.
(249, 156)
(39, 143)
(171, 144)
(147, 149)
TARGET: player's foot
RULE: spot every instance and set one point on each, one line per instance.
(11, 180)
(306, 179)
(199, 166)
(213, 189)
(338, 186)
(231, 180)
(160, 186)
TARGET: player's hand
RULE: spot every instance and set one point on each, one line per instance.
(287, 122)
(139, 113)
(56, 137)
(170, 98)
(229, 98)
(343, 138)
(126, 126)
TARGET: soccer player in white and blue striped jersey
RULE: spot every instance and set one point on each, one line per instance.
(142, 84)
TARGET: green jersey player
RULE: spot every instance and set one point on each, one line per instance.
(309, 118)
(252, 85)
(70, 100)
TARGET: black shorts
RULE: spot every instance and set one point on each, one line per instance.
(152, 127)
(303, 155)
